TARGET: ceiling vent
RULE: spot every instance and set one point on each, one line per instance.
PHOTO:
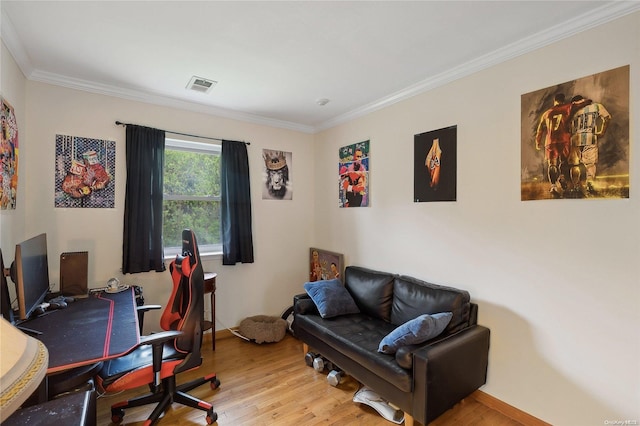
(200, 84)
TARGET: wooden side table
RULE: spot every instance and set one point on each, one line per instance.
(210, 287)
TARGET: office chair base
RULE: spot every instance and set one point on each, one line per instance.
(167, 395)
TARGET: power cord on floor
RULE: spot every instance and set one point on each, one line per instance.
(107, 395)
(235, 333)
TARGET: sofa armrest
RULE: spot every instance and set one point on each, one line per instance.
(302, 304)
(300, 296)
(451, 369)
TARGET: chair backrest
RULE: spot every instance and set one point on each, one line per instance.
(185, 309)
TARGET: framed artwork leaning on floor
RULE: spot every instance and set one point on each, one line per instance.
(325, 265)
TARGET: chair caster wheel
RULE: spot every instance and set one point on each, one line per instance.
(334, 377)
(212, 417)
(214, 384)
(117, 414)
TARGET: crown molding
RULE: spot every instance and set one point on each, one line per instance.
(145, 97)
(14, 45)
(16, 48)
(594, 18)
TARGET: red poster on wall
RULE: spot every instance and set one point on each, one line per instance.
(354, 175)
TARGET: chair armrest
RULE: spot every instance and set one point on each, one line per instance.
(451, 369)
(157, 341)
(141, 311)
(146, 308)
(159, 338)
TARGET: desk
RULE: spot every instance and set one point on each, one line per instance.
(98, 328)
(78, 409)
(210, 287)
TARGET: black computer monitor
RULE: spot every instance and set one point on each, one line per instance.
(30, 273)
(6, 310)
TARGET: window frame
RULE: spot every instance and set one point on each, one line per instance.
(196, 147)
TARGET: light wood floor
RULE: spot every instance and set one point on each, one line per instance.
(270, 384)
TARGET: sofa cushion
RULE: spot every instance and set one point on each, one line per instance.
(371, 290)
(357, 337)
(417, 330)
(331, 298)
(413, 297)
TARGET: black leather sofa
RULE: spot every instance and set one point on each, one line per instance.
(423, 380)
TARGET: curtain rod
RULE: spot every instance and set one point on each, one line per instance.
(120, 123)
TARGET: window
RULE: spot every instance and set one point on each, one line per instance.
(191, 195)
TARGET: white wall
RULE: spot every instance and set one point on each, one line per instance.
(558, 282)
(282, 230)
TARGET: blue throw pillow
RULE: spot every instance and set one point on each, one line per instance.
(331, 298)
(418, 330)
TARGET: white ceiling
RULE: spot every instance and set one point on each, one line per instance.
(274, 60)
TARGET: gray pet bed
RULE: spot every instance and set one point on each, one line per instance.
(263, 328)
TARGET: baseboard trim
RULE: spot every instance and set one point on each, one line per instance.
(507, 410)
(224, 334)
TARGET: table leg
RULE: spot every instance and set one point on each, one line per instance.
(210, 287)
(213, 320)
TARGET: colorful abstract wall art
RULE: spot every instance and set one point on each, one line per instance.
(8, 157)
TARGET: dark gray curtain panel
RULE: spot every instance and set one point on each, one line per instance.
(235, 204)
(142, 248)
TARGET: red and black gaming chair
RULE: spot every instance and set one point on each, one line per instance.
(161, 356)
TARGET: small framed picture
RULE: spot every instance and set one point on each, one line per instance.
(325, 265)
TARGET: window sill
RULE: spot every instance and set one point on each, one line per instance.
(211, 255)
(203, 255)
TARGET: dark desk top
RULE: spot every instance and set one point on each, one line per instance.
(77, 408)
(97, 328)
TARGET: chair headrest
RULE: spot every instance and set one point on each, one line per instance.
(189, 244)
(183, 264)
